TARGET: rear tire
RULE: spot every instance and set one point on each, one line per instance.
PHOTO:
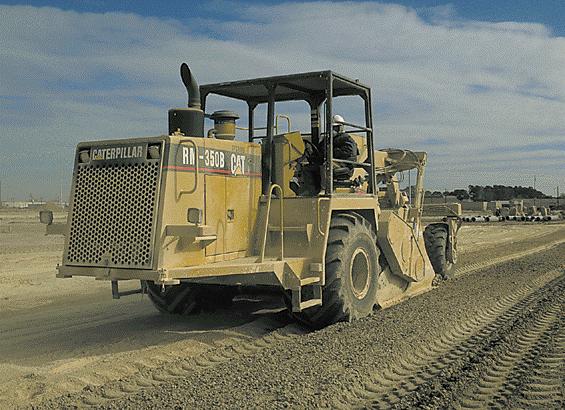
(213, 297)
(352, 269)
(188, 298)
(178, 299)
(435, 238)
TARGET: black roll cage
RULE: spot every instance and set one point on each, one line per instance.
(315, 88)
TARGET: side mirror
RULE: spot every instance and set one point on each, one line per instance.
(46, 217)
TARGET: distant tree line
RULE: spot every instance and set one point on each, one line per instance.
(491, 193)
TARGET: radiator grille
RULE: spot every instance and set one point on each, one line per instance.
(112, 219)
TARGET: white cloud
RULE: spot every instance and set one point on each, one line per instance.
(475, 87)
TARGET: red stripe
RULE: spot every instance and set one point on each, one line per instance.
(210, 170)
(179, 168)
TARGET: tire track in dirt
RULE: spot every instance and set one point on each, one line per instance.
(475, 365)
(410, 383)
(241, 346)
(223, 351)
(543, 379)
(471, 267)
(502, 380)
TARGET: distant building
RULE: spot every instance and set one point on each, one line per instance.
(545, 202)
(23, 204)
(479, 206)
(15, 204)
(439, 198)
(494, 205)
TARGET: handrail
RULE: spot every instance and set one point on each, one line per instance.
(269, 200)
(247, 128)
(287, 118)
(189, 191)
(283, 116)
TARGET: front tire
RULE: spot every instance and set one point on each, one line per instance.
(352, 269)
(435, 238)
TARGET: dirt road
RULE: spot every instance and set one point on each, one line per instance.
(66, 342)
(502, 347)
(60, 335)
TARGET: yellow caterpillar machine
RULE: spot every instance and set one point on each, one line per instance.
(194, 215)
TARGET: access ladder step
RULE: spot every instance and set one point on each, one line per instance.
(298, 305)
(309, 281)
(310, 303)
(277, 228)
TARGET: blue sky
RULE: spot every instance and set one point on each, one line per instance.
(478, 84)
(548, 12)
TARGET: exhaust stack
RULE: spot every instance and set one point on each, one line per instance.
(188, 121)
(191, 85)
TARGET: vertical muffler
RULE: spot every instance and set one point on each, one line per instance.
(188, 121)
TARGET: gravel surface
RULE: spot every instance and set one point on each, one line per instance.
(348, 364)
(513, 245)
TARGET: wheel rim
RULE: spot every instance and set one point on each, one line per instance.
(359, 273)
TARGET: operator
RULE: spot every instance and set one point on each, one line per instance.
(344, 147)
(307, 180)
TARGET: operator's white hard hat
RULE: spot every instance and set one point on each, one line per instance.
(337, 120)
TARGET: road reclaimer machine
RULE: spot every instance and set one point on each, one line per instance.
(196, 215)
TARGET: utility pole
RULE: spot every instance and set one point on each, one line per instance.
(0, 193)
(61, 177)
(534, 190)
(60, 182)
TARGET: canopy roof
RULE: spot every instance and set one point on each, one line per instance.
(302, 86)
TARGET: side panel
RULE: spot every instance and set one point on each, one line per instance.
(404, 251)
(305, 222)
(214, 176)
(182, 188)
(239, 163)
